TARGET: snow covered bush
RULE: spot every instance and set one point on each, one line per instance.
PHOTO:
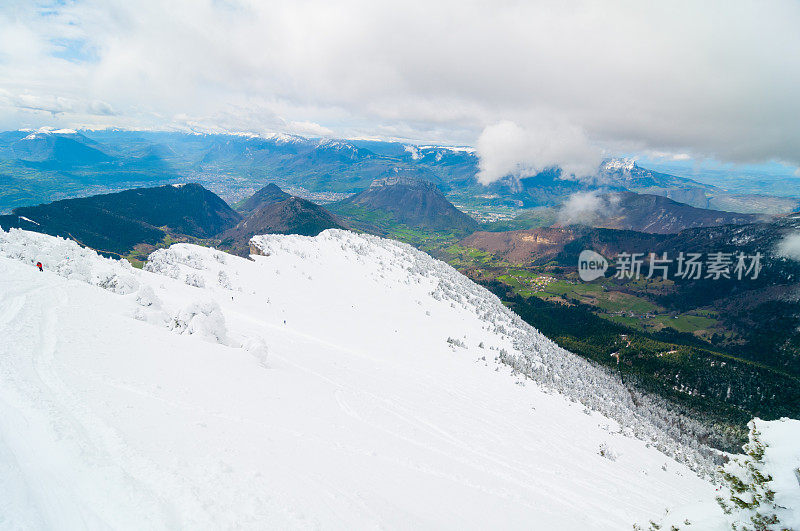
(257, 347)
(223, 280)
(204, 318)
(606, 451)
(455, 342)
(113, 281)
(166, 261)
(163, 268)
(69, 260)
(761, 488)
(751, 498)
(147, 297)
(193, 279)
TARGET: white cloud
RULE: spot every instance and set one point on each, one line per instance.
(707, 79)
(789, 246)
(309, 129)
(668, 156)
(585, 208)
(506, 148)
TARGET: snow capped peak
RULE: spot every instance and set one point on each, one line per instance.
(285, 138)
(342, 148)
(44, 131)
(454, 149)
(63, 132)
(626, 164)
(276, 137)
(243, 134)
(437, 152)
(413, 150)
(338, 145)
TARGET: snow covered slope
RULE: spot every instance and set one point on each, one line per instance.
(341, 381)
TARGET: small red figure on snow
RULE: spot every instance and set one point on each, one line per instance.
(39, 265)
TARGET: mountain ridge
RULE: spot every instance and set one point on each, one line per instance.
(223, 352)
(273, 211)
(652, 213)
(118, 222)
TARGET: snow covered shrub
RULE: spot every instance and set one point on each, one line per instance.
(223, 280)
(193, 279)
(751, 499)
(69, 260)
(257, 347)
(166, 261)
(116, 283)
(204, 318)
(147, 297)
(455, 342)
(162, 268)
(606, 451)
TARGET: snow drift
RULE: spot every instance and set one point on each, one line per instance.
(340, 381)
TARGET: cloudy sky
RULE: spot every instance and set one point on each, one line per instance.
(530, 84)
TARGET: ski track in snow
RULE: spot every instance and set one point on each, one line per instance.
(361, 415)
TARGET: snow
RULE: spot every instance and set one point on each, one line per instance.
(341, 381)
(42, 131)
(285, 138)
(419, 152)
(626, 164)
(413, 150)
(782, 460)
(457, 149)
(339, 146)
(27, 219)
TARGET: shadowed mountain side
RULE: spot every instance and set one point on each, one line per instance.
(117, 222)
(271, 193)
(59, 150)
(648, 213)
(410, 201)
(289, 216)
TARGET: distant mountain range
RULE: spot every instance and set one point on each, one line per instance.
(550, 188)
(56, 150)
(50, 164)
(626, 174)
(118, 222)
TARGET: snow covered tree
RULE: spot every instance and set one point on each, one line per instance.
(750, 498)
